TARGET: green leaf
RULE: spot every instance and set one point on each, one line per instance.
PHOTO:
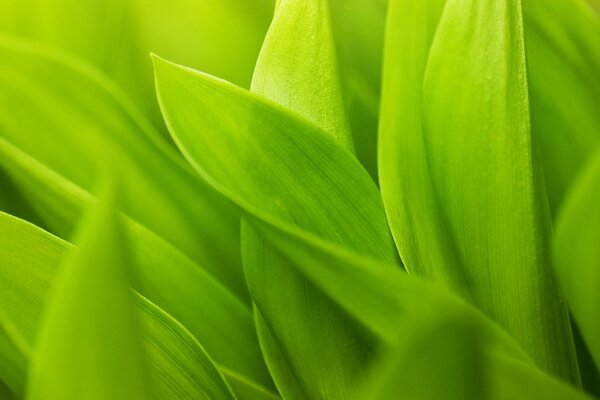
(486, 220)
(47, 99)
(441, 359)
(178, 366)
(214, 316)
(358, 28)
(297, 67)
(389, 305)
(88, 345)
(577, 254)
(563, 59)
(267, 160)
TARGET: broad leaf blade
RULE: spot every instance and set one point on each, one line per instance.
(269, 160)
(486, 219)
(297, 68)
(88, 346)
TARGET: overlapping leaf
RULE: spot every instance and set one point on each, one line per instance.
(88, 345)
(62, 113)
(213, 315)
(285, 169)
(484, 215)
(577, 253)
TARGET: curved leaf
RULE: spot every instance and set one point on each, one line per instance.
(577, 254)
(268, 160)
(47, 99)
(300, 74)
(563, 59)
(178, 366)
(88, 345)
(297, 67)
(442, 359)
(474, 214)
(213, 315)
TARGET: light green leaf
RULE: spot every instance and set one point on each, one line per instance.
(297, 67)
(178, 366)
(88, 345)
(358, 28)
(486, 219)
(388, 303)
(563, 56)
(286, 169)
(214, 316)
(577, 254)
(47, 99)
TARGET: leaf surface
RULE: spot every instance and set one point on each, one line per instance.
(286, 169)
(477, 198)
(178, 366)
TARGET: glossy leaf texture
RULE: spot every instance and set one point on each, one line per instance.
(88, 345)
(468, 135)
(178, 366)
(212, 314)
(577, 254)
(268, 160)
(48, 98)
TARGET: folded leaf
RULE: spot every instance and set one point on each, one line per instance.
(577, 254)
(214, 316)
(266, 159)
(47, 99)
(485, 215)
